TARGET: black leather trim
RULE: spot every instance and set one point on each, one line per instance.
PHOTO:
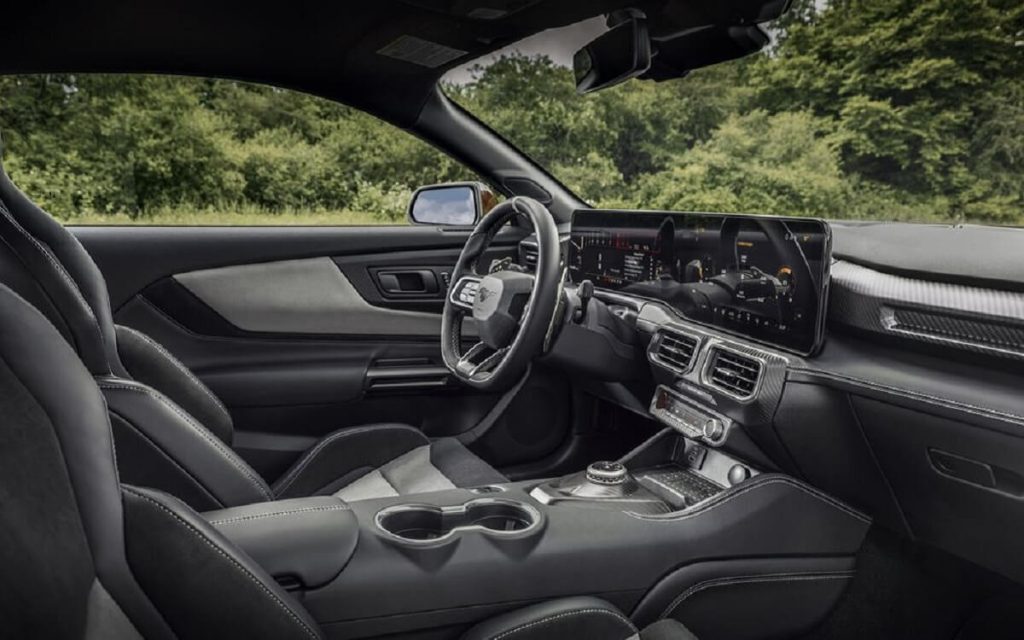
(667, 629)
(66, 272)
(46, 365)
(581, 617)
(210, 574)
(673, 590)
(177, 434)
(148, 362)
(309, 539)
(146, 464)
(343, 451)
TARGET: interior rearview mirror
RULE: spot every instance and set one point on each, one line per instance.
(621, 53)
(452, 204)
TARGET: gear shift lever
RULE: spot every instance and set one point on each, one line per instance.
(604, 484)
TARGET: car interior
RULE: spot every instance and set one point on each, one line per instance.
(540, 420)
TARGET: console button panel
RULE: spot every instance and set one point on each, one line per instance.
(688, 418)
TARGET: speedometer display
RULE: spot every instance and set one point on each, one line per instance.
(762, 277)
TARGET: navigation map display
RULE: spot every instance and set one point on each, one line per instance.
(758, 276)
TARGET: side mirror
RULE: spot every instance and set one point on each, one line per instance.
(453, 204)
(621, 53)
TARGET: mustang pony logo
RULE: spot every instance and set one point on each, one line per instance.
(483, 294)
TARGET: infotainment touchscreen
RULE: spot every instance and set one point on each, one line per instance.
(758, 276)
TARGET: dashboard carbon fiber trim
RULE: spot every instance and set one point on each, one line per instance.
(964, 317)
(760, 408)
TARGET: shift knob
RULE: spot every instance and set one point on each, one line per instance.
(606, 472)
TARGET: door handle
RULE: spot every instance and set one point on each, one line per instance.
(409, 281)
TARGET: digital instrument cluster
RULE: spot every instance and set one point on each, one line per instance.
(762, 277)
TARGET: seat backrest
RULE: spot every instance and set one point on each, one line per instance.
(83, 558)
(185, 450)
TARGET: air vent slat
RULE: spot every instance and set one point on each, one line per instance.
(734, 373)
(676, 350)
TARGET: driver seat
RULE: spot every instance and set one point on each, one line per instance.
(86, 558)
(171, 431)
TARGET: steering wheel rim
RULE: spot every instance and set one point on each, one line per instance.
(503, 367)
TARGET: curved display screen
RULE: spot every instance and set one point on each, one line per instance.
(762, 277)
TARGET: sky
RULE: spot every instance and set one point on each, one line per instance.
(558, 44)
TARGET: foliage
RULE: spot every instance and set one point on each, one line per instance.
(874, 109)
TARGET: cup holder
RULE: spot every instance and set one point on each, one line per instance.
(429, 524)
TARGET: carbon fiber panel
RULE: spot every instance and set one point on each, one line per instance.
(963, 317)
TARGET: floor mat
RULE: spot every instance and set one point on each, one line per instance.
(908, 591)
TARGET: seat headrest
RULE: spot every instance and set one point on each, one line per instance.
(46, 265)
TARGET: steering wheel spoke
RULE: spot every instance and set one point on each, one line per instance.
(467, 366)
(463, 292)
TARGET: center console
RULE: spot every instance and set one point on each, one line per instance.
(673, 529)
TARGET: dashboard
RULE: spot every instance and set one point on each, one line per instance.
(760, 277)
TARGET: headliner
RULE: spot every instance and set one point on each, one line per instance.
(324, 48)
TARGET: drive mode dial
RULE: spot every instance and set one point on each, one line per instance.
(606, 472)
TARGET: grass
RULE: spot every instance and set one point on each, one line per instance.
(247, 216)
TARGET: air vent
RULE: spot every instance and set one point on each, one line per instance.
(733, 373)
(675, 350)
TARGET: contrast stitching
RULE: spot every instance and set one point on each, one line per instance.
(248, 574)
(714, 502)
(181, 367)
(274, 514)
(203, 432)
(775, 577)
(619, 617)
(290, 477)
(168, 457)
(59, 268)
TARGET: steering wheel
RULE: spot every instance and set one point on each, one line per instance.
(514, 313)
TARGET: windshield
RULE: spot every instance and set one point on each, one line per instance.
(873, 110)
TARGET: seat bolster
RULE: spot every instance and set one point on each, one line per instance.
(460, 465)
(148, 362)
(580, 617)
(666, 629)
(345, 455)
(218, 591)
(197, 452)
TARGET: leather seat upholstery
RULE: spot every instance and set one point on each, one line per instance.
(172, 433)
(85, 557)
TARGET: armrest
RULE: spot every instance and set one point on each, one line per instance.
(308, 539)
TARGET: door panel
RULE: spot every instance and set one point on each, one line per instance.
(308, 296)
(294, 331)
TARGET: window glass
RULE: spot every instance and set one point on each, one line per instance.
(867, 109)
(136, 149)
